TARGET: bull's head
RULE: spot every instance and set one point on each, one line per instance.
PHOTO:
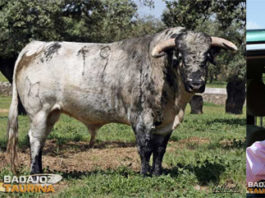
(193, 52)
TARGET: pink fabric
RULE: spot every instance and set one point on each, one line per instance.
(255, 155)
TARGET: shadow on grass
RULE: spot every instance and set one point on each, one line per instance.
(238, 121)
(123, 171)
(206, 172)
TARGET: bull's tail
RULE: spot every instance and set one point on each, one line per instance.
(12, 126)
(12, 129)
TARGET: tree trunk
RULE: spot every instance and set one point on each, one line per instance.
(236, 94)
(7, 69)
(196, 104)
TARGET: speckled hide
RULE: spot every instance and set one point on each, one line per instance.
(116, 82)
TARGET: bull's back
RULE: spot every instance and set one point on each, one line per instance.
(86, 81)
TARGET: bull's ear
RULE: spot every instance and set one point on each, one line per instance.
(212, 54)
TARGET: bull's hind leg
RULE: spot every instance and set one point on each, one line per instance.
(159, 148)
(41, 125)
(93, 131)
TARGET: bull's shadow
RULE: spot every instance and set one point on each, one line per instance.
(238, 121)
(206, 171)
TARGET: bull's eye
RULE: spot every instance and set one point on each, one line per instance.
(210, 58)
(179, 56)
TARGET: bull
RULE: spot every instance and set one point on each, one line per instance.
(143, 82)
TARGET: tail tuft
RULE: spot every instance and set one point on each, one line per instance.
(12, 151)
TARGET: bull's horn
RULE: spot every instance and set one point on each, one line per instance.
(223, 43)
(162, 46)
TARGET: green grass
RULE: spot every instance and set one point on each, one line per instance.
(2, 78)
(5, 102)
(218, 160)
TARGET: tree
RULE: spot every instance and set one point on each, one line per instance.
(144, 26)
(222, 18)
(86, 21)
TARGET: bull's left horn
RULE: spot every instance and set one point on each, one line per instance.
(223, 43)
(162, 46)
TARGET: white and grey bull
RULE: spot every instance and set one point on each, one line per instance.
(143, 82)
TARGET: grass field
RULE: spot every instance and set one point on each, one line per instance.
(205, 152)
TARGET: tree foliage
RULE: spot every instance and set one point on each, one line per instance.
(70, 20)
(22, 21)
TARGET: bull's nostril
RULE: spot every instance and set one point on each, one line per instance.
(190, 87)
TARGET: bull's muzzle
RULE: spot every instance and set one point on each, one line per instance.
(195, 86)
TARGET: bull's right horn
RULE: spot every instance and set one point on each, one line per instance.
(159, 49)
(223, 43)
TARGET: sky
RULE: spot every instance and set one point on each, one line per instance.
(255, 14)
(157, 11)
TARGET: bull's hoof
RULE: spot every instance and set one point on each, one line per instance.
(146, 174)
(157, 172)
(36, 170)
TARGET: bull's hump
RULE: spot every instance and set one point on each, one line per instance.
(34, 47)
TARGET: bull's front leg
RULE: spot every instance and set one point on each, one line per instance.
(144, 146)
(145, 151)
(159, 149)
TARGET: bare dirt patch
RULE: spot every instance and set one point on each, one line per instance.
(194, 139)
(188, 143)
(4, 110)
(78, 157)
